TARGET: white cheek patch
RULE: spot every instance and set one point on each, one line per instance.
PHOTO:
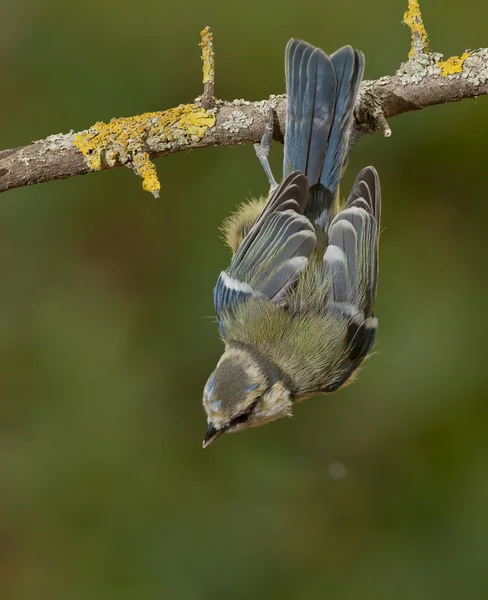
(275, 404)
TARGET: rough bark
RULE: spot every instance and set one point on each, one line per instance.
(423, 81)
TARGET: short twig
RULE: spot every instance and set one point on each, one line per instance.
(208, 59)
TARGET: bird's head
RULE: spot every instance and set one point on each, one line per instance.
(245, 390)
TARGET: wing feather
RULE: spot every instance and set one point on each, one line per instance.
(274, 252)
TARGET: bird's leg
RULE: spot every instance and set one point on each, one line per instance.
(262, 149)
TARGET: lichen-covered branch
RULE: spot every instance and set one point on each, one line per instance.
(420, 39)
(424, 80)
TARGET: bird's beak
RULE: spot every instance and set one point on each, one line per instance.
(211, 435)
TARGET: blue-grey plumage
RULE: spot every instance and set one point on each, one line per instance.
(321, 94)
(295, 306)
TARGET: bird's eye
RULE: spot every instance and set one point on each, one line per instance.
(242, 418)
(245, 416)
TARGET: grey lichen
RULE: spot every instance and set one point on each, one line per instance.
(476, 67)
(273, 101)
(60, 141)
(237, 121)
(415, 70)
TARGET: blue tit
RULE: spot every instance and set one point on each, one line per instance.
(295, 306)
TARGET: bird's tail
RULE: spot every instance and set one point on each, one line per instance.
(321, 92)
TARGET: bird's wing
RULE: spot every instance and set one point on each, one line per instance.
(351, 257)
(351, 263)
(273, 253)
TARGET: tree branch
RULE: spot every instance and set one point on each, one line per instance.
(423, 80)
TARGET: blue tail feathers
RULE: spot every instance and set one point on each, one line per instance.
(321, 92)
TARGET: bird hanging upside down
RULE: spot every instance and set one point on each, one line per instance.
(295, 307)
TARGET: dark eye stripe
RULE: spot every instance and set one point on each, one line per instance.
(242, 418)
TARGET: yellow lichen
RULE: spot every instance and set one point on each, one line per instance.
(147, 171)
(413, 19)
(126, 140)
(208, 56)
(452, 65)
(420, 41)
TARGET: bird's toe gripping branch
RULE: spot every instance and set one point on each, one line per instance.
(125, 141)
(263, 148)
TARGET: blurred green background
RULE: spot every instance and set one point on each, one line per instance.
(380, 491)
